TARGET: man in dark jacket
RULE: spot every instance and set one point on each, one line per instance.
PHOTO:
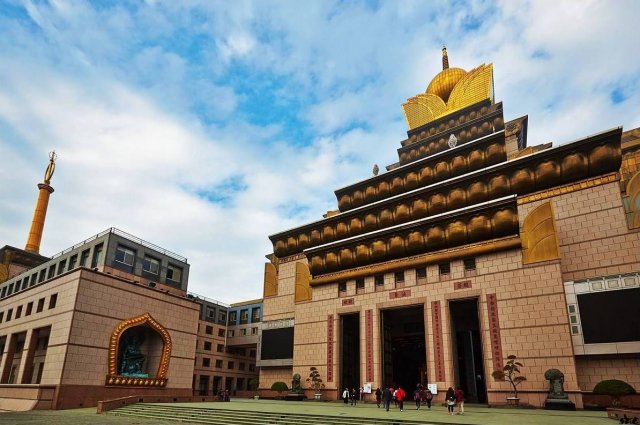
(387, 395)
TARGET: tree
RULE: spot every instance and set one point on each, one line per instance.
(614, 388)
(511, 373)
(280, 387)
(314, 379)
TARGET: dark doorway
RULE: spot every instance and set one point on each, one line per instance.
(403, 349)
(350, 351)
(203, 385)
(467, 349)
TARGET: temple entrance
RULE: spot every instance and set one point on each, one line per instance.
(467, 349)
(349, 351)
(403, 347)
(139, 352)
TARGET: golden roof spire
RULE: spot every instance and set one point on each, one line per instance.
(51, 167)
(445, 58)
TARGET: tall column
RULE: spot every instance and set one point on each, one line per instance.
(26, 362)
(7, 358)
(40, 213)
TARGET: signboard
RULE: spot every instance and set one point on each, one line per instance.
(367, 388)
(433, 388)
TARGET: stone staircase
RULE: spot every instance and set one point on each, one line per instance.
(203, 415)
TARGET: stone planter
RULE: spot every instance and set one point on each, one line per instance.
(317, 396)
(513, 401)
(256, 397)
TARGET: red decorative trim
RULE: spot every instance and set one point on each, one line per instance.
(494, 331)
(330, 348)
(400, 294)
(348, 301)
(438, 345)
(369, 342)
(465, 284)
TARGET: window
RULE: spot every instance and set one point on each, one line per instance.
(254, 331)
(359, 286)
(421, 273)
(233, 317)
(29, 309)
(207, 346)
(219, 363)
(222, 317)
(4, 292)
(25, 283)
(230, 365)
(97, 256)
(52, 271)
(34, 279)
(174, 273)
(1, 317)
(342, 288)
(40, 306)
(206, 362)
(208, 330)
(231, 334)
(62, 266)
(252, 367)
(379, 282)
(220, 348)
(469, 266)
(52, 301)
(19, 312)
(211, 313)
(244, 317)
(240, 366)
(84, 258)
(151, 265)
(72, 262)
(43, 275)
(252, 353)
(444, 269)
(399, 276)
(221, 332)
(9, 314)
(10, 291)
(255, 314)
(243, 332)
(124, 255)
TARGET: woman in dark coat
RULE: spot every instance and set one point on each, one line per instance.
(378, 396)
(450, 399)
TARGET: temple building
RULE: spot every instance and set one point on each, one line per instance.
(111, 317)
(471, 248)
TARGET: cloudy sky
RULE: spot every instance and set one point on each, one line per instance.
(205, 126)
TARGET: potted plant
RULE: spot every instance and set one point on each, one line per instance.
(315, 382)
(279, 387)
(614, 388)
(253, 386)
(511, 373)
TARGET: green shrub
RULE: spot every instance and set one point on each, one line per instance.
(614, 388)
(280, 387)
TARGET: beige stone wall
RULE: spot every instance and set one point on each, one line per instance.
(102, 303)
(282, 305)
(592, 370)
(592, 231)
(270, 375)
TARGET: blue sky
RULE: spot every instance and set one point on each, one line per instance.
(205, 126)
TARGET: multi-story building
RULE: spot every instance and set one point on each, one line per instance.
(471, 248)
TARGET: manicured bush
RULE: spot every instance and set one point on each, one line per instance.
(280, 387)
(614, 388)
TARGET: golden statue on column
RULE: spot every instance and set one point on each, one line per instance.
(40, 213)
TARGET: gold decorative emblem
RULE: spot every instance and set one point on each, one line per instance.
(270, 280)
(160, 380)
(539, 240)
(303, 278)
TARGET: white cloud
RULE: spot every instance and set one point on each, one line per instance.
(147, 108)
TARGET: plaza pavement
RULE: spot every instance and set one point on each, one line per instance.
(474, 415)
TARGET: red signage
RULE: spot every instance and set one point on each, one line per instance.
(438, 345)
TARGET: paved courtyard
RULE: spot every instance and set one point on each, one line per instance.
(474, 414)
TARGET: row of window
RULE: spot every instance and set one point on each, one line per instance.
(206, 362)
(211, 315)
(207, 346)
(209, 331)
(244, 316)
(444, 271)
(54, 270)
(151, 265)
(29, 309)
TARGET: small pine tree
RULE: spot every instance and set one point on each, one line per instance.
(511, 372)
(314, 379)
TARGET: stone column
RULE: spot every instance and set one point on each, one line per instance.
(26, 362)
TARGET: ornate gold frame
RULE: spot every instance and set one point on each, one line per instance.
(160, 379)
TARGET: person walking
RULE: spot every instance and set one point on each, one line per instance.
(460, 400)
(378, 396)
(400, 395)
(345, 396)
(428, 397)
(361, 394)
(450, 399)
(354, 396)
(387, 395)
(417, 397)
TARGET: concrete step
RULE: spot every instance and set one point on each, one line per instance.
(202, 415)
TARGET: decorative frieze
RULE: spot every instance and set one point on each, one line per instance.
(438, 344)
(368, 319)
(330, 348)
(494, 332)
